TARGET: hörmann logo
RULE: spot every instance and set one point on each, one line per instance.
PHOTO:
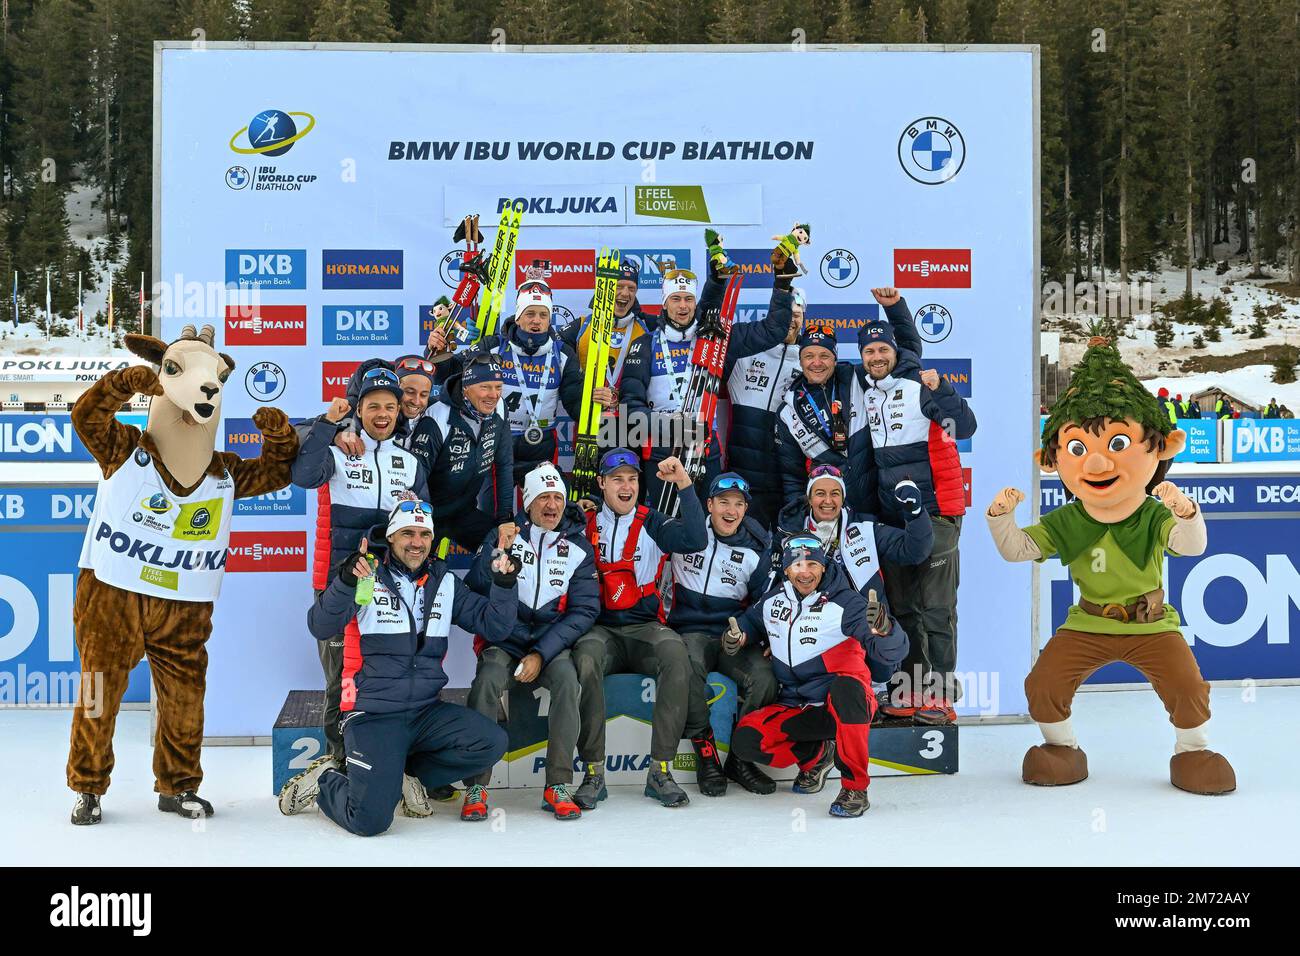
(361, 269)
(266, 325)
(932, 268)
(267, 551)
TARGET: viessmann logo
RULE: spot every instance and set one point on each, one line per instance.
(932, 268)
(267, 551)
(266, 325)
(569, 268)
(334, 379)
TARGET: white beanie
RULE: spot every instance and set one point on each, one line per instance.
(535, 292)
(416, 517)
(678, 280)
(835, 478)
(540, 480)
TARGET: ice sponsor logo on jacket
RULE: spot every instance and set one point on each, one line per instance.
(931, 150)
(266, 325)
(267, 551)
(361, 325)
(362, 268)
(267, 268)
(932, 268)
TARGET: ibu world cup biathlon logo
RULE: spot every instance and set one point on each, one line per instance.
(271, 133)
(931, 150)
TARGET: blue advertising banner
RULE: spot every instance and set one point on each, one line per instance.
(47, 437)
(1272, 439)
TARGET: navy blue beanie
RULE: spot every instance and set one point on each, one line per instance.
(876, 331)
(480, 367)
(816, 334)
(802, 547)
(627, 270)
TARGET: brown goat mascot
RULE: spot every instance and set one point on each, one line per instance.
(155, 554)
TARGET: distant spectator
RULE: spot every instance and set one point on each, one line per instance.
(1272, 409)
(1223, 407)
(1168, 406)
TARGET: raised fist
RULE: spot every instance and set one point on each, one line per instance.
(338, 410)
(1174, 500)
(930, 379)
(671, 469)
(886, 295)
(271, 421)
(142, 379)
(1005, 502)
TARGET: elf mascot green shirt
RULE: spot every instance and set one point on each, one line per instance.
(1108, 441)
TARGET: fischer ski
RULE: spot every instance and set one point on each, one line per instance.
(700, 403)
(586, 450)
(498, 273)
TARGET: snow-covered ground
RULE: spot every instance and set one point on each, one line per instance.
(1125, 813)
(1253, 383)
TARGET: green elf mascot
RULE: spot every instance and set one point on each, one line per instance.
(1109, 442)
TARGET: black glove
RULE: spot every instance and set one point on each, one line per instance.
(345, 569)
(907, 494)
(784, 277)
(876, 615)
(508, 579)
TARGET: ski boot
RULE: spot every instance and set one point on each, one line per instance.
(660, 785)
(812, 779)
(708, 771)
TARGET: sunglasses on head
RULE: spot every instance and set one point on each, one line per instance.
(823, 470)
(407, 507)
(680, 274)
(802, 541)
(413, 363)
(617, 459)
(727, 484)
(379, 375)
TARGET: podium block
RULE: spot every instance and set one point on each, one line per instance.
(297, 738)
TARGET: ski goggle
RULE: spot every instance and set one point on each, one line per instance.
(619, 458)
(413, 363)
(729, 483)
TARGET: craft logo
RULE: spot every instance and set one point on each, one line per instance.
(361, 269)
(361, 325)
(839, 268)
(932, 268)
(271, 133)
(266, 325)
(570, 268)
(955, 371)
(933, 323)
(265, 381)
(267, 551)
(683, 203)
(267, 268)
(755, 265)
(334, 379)
(650, 264)
(931, 150)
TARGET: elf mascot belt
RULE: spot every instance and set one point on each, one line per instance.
(155, 554)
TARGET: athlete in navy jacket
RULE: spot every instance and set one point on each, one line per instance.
(828, 643)
(394, 722)
(710, 586)
(559, 599)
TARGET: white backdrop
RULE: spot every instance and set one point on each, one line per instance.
(753, 138)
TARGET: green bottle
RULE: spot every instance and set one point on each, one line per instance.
(366, 586)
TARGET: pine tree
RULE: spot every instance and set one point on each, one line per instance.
(218, 19)
(1198, 341)
(951, 22)
(848, 24)
(51, 89)
(282, 20)
(1164, 330)
(1284, 363)
(441, 21)
(352, 21)
(1259, 327)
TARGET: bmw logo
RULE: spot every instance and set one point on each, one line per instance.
(839, 268)
(561, 317)
(449, 268)
(237, 177)
(265, 381)
(272, 133)
(933, 322)
(931, 150)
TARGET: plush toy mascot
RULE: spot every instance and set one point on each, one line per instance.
(1112, 445)
(155, 554)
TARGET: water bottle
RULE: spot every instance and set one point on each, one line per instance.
(366, 585)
